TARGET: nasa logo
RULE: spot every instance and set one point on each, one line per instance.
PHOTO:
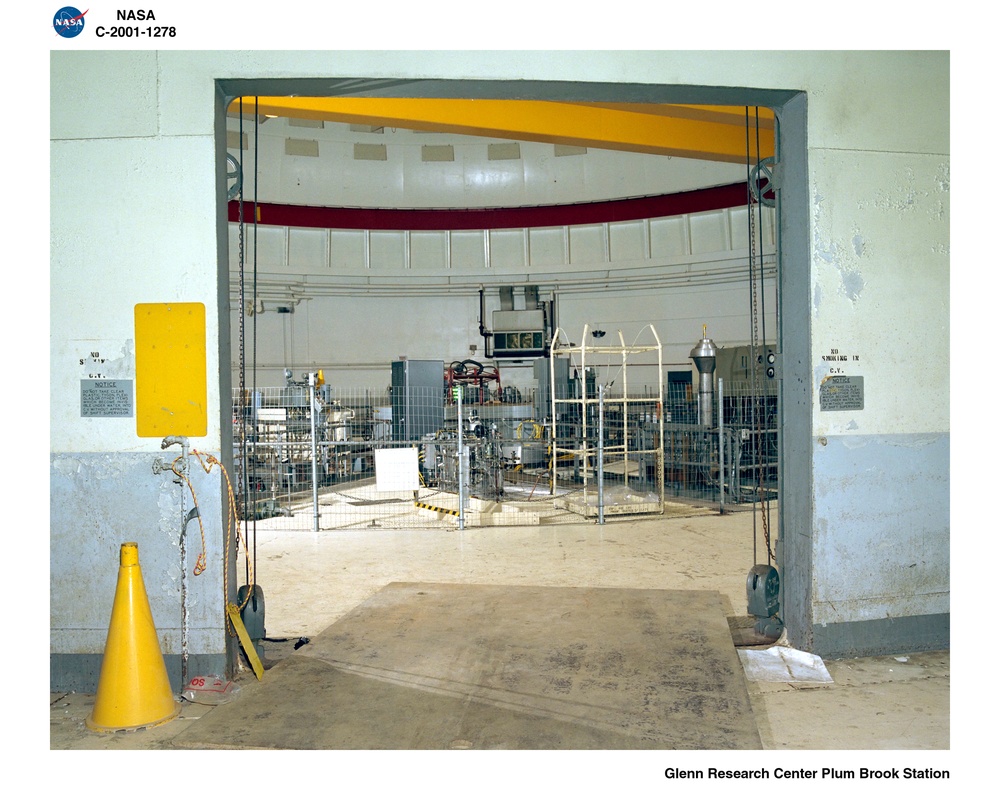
(68, 21)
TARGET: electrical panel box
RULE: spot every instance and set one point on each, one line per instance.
(417, 399)
(519, 334)
(735, 364)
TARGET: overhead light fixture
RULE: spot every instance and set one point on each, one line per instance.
(597, 334)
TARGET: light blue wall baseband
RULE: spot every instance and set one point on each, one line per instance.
(98, 502)
(881, 540)
(880, 552)
(71, 672)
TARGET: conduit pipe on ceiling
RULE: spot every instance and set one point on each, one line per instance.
(276, 287)
(574, 273)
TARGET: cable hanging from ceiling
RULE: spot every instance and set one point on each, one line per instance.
(256, 173)
(756, 199)
(242, 403)
(245, 405)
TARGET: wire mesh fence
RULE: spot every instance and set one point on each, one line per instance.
(444, 453)
(742, 449)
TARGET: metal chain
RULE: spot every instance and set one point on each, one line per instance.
(242, 402)
(253, 383)
(757, 387)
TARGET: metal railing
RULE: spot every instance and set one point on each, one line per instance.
(486, 460)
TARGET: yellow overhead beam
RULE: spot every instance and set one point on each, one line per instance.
(711, 133)
(728, 115)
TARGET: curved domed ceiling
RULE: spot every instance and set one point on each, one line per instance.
(461, 155)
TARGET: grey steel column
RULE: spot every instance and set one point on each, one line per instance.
(600, 454)
(312, 425)
(722, 457)
(460, 455)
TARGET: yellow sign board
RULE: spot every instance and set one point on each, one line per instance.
(171, 383)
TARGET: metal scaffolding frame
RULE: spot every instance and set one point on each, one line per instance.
(640, 415)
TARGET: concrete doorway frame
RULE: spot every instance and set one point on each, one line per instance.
(795, 507)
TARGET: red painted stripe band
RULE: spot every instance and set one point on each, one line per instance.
(381, 219)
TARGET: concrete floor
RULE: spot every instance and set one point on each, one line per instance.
(898, 702)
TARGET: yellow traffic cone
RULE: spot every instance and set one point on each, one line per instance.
(133, 691)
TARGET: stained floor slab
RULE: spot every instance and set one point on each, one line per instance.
(898, 702)
(459, 666)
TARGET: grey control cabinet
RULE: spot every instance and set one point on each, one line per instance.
(417, 399)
